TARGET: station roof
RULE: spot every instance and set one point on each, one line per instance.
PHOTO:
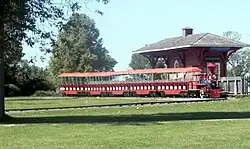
(192, 40)
(131, 72)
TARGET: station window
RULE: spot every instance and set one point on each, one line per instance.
(176, 64)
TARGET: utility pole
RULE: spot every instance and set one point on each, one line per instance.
(2, 106)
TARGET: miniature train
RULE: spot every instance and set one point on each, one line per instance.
(162, 82)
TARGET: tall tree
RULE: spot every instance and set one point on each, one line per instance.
(20, 17)
(239, 62)
(138, 61)
(79, 48)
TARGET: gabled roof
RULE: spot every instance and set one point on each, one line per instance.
(193, 40)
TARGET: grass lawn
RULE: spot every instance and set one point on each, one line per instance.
(177, 135)
(24, 104)
(125, 128)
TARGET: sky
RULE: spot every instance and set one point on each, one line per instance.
(128, 25)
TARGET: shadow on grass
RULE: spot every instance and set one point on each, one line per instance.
(129, 119)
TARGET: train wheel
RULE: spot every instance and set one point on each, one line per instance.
(88, 94)
(183, 94)
(162, 94)
(103, 94)
(109, 94)
(125, 94)
(152, 94)
(133, 94)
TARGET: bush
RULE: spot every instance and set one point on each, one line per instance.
(11, 90)
(46, 94)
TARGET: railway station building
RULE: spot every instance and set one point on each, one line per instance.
(196, 50)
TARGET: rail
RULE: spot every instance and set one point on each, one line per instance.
(117, 105)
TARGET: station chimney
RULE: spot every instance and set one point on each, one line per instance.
(187, 31)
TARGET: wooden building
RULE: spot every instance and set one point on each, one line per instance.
(192, 50)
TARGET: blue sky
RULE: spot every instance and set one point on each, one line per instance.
(130, 24)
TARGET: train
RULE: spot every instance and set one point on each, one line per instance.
(188, 82)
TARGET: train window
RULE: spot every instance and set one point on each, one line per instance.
(175, 87)
(149, 87)
(138, 87)
(163, 87)
(159, 87)
(153, 87)
(126, 88)
(141, 87)
(116, 88)
(171, 87)
(167, 87)
(120, 88)
(179, 87)
(145, 87)
(134, 87)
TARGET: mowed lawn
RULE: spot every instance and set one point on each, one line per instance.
(162, 127)
(48, 103)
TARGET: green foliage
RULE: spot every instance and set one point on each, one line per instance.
(79, 48)
(12, 90)
(28, 78)
(138, 61)
(239, 62)
(46, 94)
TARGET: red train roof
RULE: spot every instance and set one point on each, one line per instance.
(130, 72)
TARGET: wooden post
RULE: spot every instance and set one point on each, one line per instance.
(241, 86)
(235, 86)
(227, 85)
(2, 106)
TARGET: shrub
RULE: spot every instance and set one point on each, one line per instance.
(11, 90)
(46, 94)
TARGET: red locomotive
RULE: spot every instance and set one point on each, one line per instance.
(184, 82)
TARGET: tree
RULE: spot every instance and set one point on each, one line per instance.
(79, 48)
(138, 61)
(19, 18)
(239, 62)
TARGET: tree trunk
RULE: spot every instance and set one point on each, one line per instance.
(2, 106)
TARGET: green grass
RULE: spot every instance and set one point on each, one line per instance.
(177, 135)
(24, 104)
(132, 128)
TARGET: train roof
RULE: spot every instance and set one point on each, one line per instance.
(130, 72)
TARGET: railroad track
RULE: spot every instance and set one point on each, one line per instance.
(117, 105)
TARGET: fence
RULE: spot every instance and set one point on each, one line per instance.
(235, 85)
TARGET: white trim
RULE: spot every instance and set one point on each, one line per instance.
(163, 49)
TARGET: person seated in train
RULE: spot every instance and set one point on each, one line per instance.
(203, 79)
(212, 81)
